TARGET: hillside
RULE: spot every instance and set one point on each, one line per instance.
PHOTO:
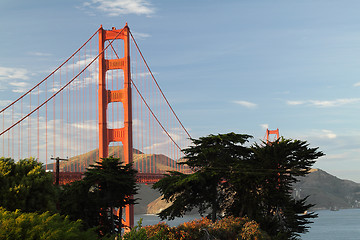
(328, 191)
(142, 162)
(145, 196)
(325, 191)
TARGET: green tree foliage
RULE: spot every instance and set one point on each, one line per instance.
(107, 185)
(211, 159)
(25, 185)
(280, 164)
(33, 226)
(236, 180)
(224, 229)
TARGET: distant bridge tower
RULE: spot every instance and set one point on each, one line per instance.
(124, 134)
(272, 132)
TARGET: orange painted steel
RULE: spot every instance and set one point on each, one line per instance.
(124, 134)
(268, 142)
(69, 177)
(269, 132)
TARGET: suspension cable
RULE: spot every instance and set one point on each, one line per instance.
(147, 105)
(158, 85)
(50, 73)
(62, 88)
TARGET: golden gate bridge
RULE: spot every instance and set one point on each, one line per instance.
(102, 101)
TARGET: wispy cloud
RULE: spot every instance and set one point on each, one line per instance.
(13, 73)
(295, 102)
(264, 126)
(39, 54)
(334, 103)
(118, 7)
(246, 104)
(3, 103)
(327, 134)
(138, 35)
(325, 103)
(18, 84)
(357, 84)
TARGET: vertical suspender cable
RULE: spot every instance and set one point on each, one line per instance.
(54, 132)
(88, 110)
(29, 129)
(82, 114)
(46, 128)
(38, 126)
(19, 139)
(3, 127)
(90, 107)
(12, 131)
(68, 139)
(61, 119)
(78, 117)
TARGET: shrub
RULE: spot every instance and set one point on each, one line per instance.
(136, 233)
(32, 226)
(228, 228)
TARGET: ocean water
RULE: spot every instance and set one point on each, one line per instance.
(330, 225)
(150, 219)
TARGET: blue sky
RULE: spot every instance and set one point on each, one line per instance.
(225, 66)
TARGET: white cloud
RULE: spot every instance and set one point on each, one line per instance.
(357, 84)
(246, 104)
(88, 125)
(4, 103)
(118, 7)
(327, 134)
(20, 90)
(13, 73)
(264, 126)
(18, 84)
(326, 103)
(144, 74)
(138, 35)
(337, 157)
(334, 103)
(39, 54)
(295, 102)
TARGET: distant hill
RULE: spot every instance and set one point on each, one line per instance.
(145, 196)
(328, 191)
(325, 191)
(142, 161)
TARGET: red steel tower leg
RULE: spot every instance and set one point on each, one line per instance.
(268, 132)
(103, 141)
(124, 134)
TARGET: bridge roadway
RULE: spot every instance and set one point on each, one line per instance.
(68, 177)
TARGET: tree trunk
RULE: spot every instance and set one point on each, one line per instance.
(120, 220)
(112, 220)
(213, 214)
(214, 208)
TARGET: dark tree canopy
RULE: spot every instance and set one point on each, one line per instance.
(210, 159)
(275, 168)
(107, 185)
(233, 179)
(25, 185)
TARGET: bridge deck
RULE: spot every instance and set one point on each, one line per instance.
(69, 177)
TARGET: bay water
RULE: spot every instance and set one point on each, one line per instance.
(330, 225)
(150, 219)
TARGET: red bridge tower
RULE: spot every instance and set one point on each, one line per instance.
(124, 134)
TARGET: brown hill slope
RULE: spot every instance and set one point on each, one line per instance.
(142, 162)
(327, 191)
(324, 190)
